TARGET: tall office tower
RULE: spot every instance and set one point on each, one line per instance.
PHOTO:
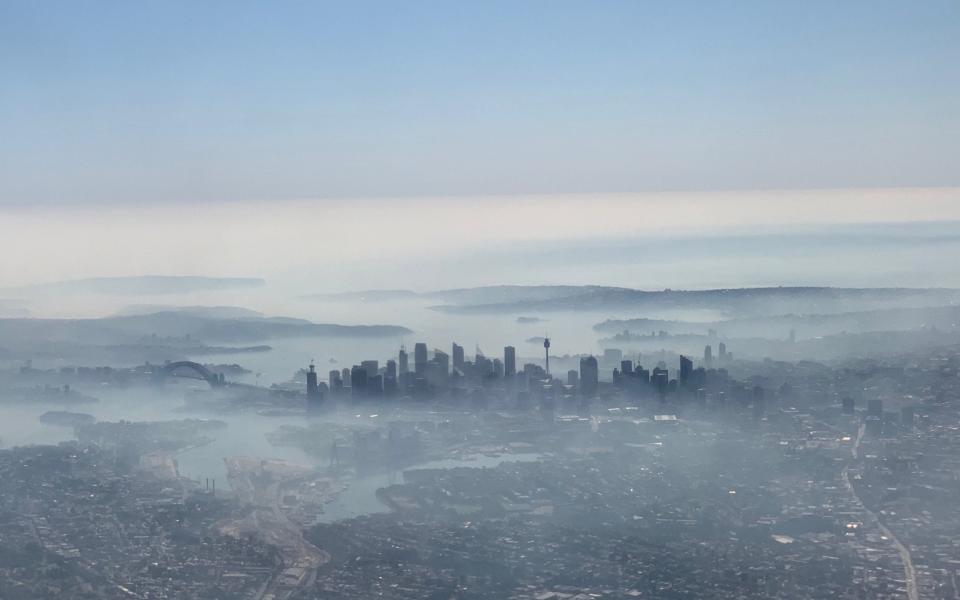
(404, 361)
(626, 368)
(345, 374)
(437, 373)
(498, 368)
(390, 385)
(420, 359)
(482, 365)
(589, 376)
(443, 360)
(546, 350)
(642, 374)
(375, 385)
(722, 352)
(708, 356)
(660, 380)
(358, 380)
(372, 367)
(686, 367)
(573, 378)
(313, 390)
(457, 353)
(336, 382)
(509, 361)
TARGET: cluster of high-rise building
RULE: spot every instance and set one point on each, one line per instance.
(437, 373)
(428, 375)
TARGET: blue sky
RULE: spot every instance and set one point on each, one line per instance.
(157, 102)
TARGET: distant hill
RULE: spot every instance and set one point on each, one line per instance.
(839, 346)
(363, 296)
(519, 299)
(530, 320)
(141, 285)
(806, 326)
(462, 296)
(163, 336)
(137, 328)
(211, 312)
(509, 294)
(166, 335)
(734, 301)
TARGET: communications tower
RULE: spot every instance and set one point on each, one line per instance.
(546, 350)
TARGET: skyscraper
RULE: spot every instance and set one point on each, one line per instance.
(372, 367)
(375, 385)
(358, 380)
(420, 359)
(660, 380)
(313, 389)
(641, 374)
(437, 371)
(457, 354)
(686, 367)
(483, 365)
(708, 356)
(336, 381)
(403, 360)
(390, 377)
(589, 376)
(441, 358)
(509, 361)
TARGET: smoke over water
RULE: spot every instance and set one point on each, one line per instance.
(683, 240)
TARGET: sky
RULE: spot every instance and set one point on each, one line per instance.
(355, 145)
(150, 103)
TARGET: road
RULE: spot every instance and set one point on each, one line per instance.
(262, 493)
(909, 573)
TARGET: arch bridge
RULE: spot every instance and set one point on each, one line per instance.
(199, 370)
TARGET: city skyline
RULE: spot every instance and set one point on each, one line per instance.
(514, 299)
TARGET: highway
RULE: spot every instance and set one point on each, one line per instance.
(909, 573)
(267, 518)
